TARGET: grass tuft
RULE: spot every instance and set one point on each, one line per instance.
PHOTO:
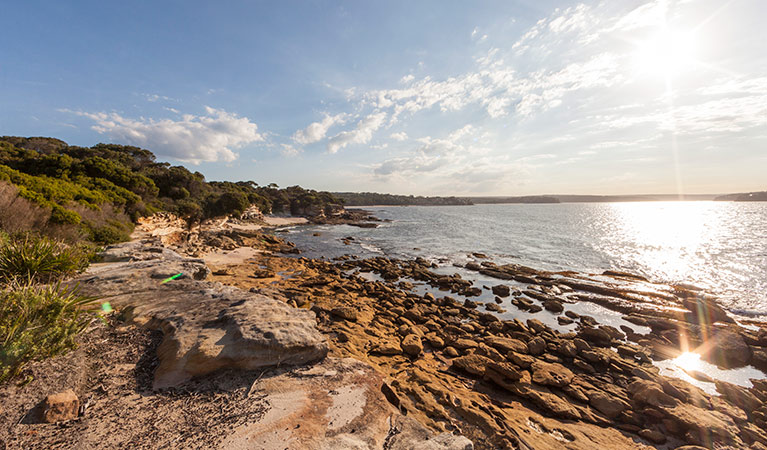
(39, 321)
(30, 258)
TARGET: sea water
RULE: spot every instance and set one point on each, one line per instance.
(718, 246)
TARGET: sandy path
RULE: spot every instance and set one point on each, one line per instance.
(236, 256)
(280, 221)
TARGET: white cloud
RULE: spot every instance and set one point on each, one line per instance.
(157, 97)
(362, 134)
(192, 139)
(650, 14)
(316, 131)
(289, 151)
(498, 88)
(756, 86)
(408, 165)
(433, 154)
(401, 136)
(537, 157)
(407, 79)
(574, 18)
(522, 43)
(724, 115)
(461, 133)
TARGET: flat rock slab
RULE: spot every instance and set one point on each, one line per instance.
(207, 326)
(336, 404)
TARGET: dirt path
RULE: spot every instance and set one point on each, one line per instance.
(112, 371)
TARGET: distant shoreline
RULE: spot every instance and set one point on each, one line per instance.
(397, 200)
(563, 203)
(353, 200)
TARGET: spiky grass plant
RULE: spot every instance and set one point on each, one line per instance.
(39, 321)
(39, 258)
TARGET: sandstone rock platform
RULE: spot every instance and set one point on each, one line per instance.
(207, 326)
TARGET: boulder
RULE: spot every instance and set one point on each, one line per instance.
(345, 313)
(564, 320)
(523, 361)
(506, 345)
(554, 306)
(473, 266)
(507, 370)
(536, 346)
(607, 404)
(60, 407)
(547, 401)
(567, 349)
(759, 360)
(388, 348)
(435, 341)
(464, 344)
(646, 392)
(654, 436)
(503, 374)
(581, 345)
(595, 336)
(613, 332)
(536, 325)
(451, 352)
(412, 345)
(701, 422)
(473, 364)
(738, 396)
(501, 290)
(728, 350)
(493, 307)
(550, 374)
(583, 365)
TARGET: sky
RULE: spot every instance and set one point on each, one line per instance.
(513, 97)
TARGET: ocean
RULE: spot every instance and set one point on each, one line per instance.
(718, 246)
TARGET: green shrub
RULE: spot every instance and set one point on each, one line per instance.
(39, 322)
(124, 182)
(36, 258)
(109, 234)
(64, 216)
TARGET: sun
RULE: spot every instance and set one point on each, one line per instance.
(666, 53)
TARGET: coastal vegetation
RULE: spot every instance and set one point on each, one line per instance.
(374, 198)
(77, 198)
(39, 317)
(38, 321)
(40, 259)
(98, 193)
(524, 199)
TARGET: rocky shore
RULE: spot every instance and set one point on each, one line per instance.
(383, 353)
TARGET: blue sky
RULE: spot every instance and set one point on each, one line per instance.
(442, 97)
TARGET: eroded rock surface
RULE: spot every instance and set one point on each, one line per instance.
(336, 404)
(514, 384)
(206, 326)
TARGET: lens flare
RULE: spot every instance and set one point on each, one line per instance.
(688, 361)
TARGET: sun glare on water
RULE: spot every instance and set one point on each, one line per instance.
(664, 237)
(687, 361)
